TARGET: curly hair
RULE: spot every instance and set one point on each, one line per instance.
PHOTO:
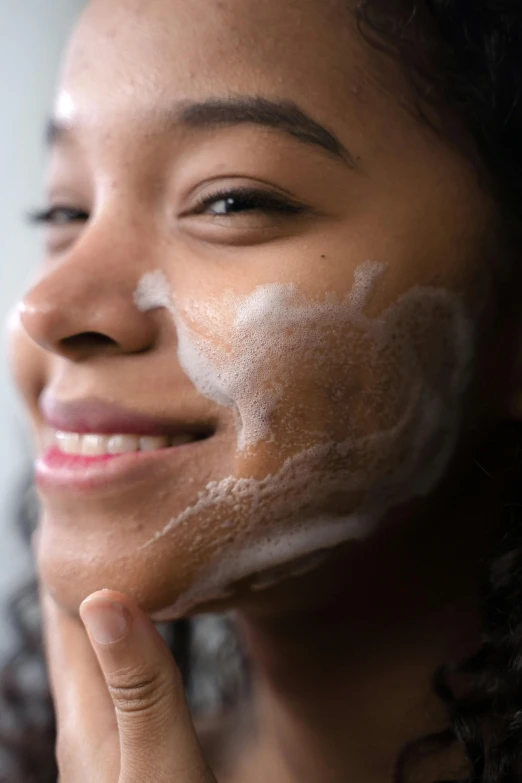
(465, 56)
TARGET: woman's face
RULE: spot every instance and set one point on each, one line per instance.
(261, 247)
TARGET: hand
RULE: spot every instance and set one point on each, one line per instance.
(122, 716)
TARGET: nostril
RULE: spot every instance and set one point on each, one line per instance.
(87, 340)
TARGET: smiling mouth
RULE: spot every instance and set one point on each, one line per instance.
(93, 445)
(92, 462)
(100, 445)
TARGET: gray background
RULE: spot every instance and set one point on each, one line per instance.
(32, 36)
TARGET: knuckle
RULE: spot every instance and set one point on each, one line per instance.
(138, 688)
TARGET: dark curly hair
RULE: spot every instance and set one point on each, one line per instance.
(464, 57)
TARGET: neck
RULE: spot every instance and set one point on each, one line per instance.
(342, 670)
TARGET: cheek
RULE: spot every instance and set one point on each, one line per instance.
(340, 418)
(298, 373)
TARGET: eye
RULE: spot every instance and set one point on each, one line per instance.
(58, 216)
(233, 202)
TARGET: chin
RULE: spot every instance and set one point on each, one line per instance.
(172, 579)
(179, 550)
(72, 570)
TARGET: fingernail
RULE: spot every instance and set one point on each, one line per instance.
(106, 621)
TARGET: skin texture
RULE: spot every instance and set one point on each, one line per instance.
(391, 210)
(410, 202)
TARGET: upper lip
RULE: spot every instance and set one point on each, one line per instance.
(92, 415)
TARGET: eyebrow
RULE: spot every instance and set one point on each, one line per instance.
(284, 116)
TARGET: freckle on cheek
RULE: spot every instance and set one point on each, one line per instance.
(359, 414)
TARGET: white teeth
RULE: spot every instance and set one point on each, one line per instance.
(122, 444)
(94, 445)
(69, 442)
(154, 443)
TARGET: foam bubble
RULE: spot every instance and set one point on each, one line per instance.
(401, 378)
(153, 292)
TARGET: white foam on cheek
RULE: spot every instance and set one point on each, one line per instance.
(153, 292)
(231, 376)
(195, 355)
(285, 515)
(270, 325)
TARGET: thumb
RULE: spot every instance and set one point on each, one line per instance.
(157, 737)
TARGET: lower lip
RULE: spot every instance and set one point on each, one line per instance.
(55, 470)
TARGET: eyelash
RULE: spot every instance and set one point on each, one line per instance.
(251, 200)
(51, 214)
(248, 199)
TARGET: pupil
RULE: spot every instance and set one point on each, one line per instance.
(225, 205)
(229, 204)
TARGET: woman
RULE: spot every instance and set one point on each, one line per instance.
(272, 367)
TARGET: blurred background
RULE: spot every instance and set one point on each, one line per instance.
(32, 37)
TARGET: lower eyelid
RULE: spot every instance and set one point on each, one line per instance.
(219, 230)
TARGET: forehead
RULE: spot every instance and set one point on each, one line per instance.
(129, 54)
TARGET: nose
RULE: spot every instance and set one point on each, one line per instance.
(84, 306)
